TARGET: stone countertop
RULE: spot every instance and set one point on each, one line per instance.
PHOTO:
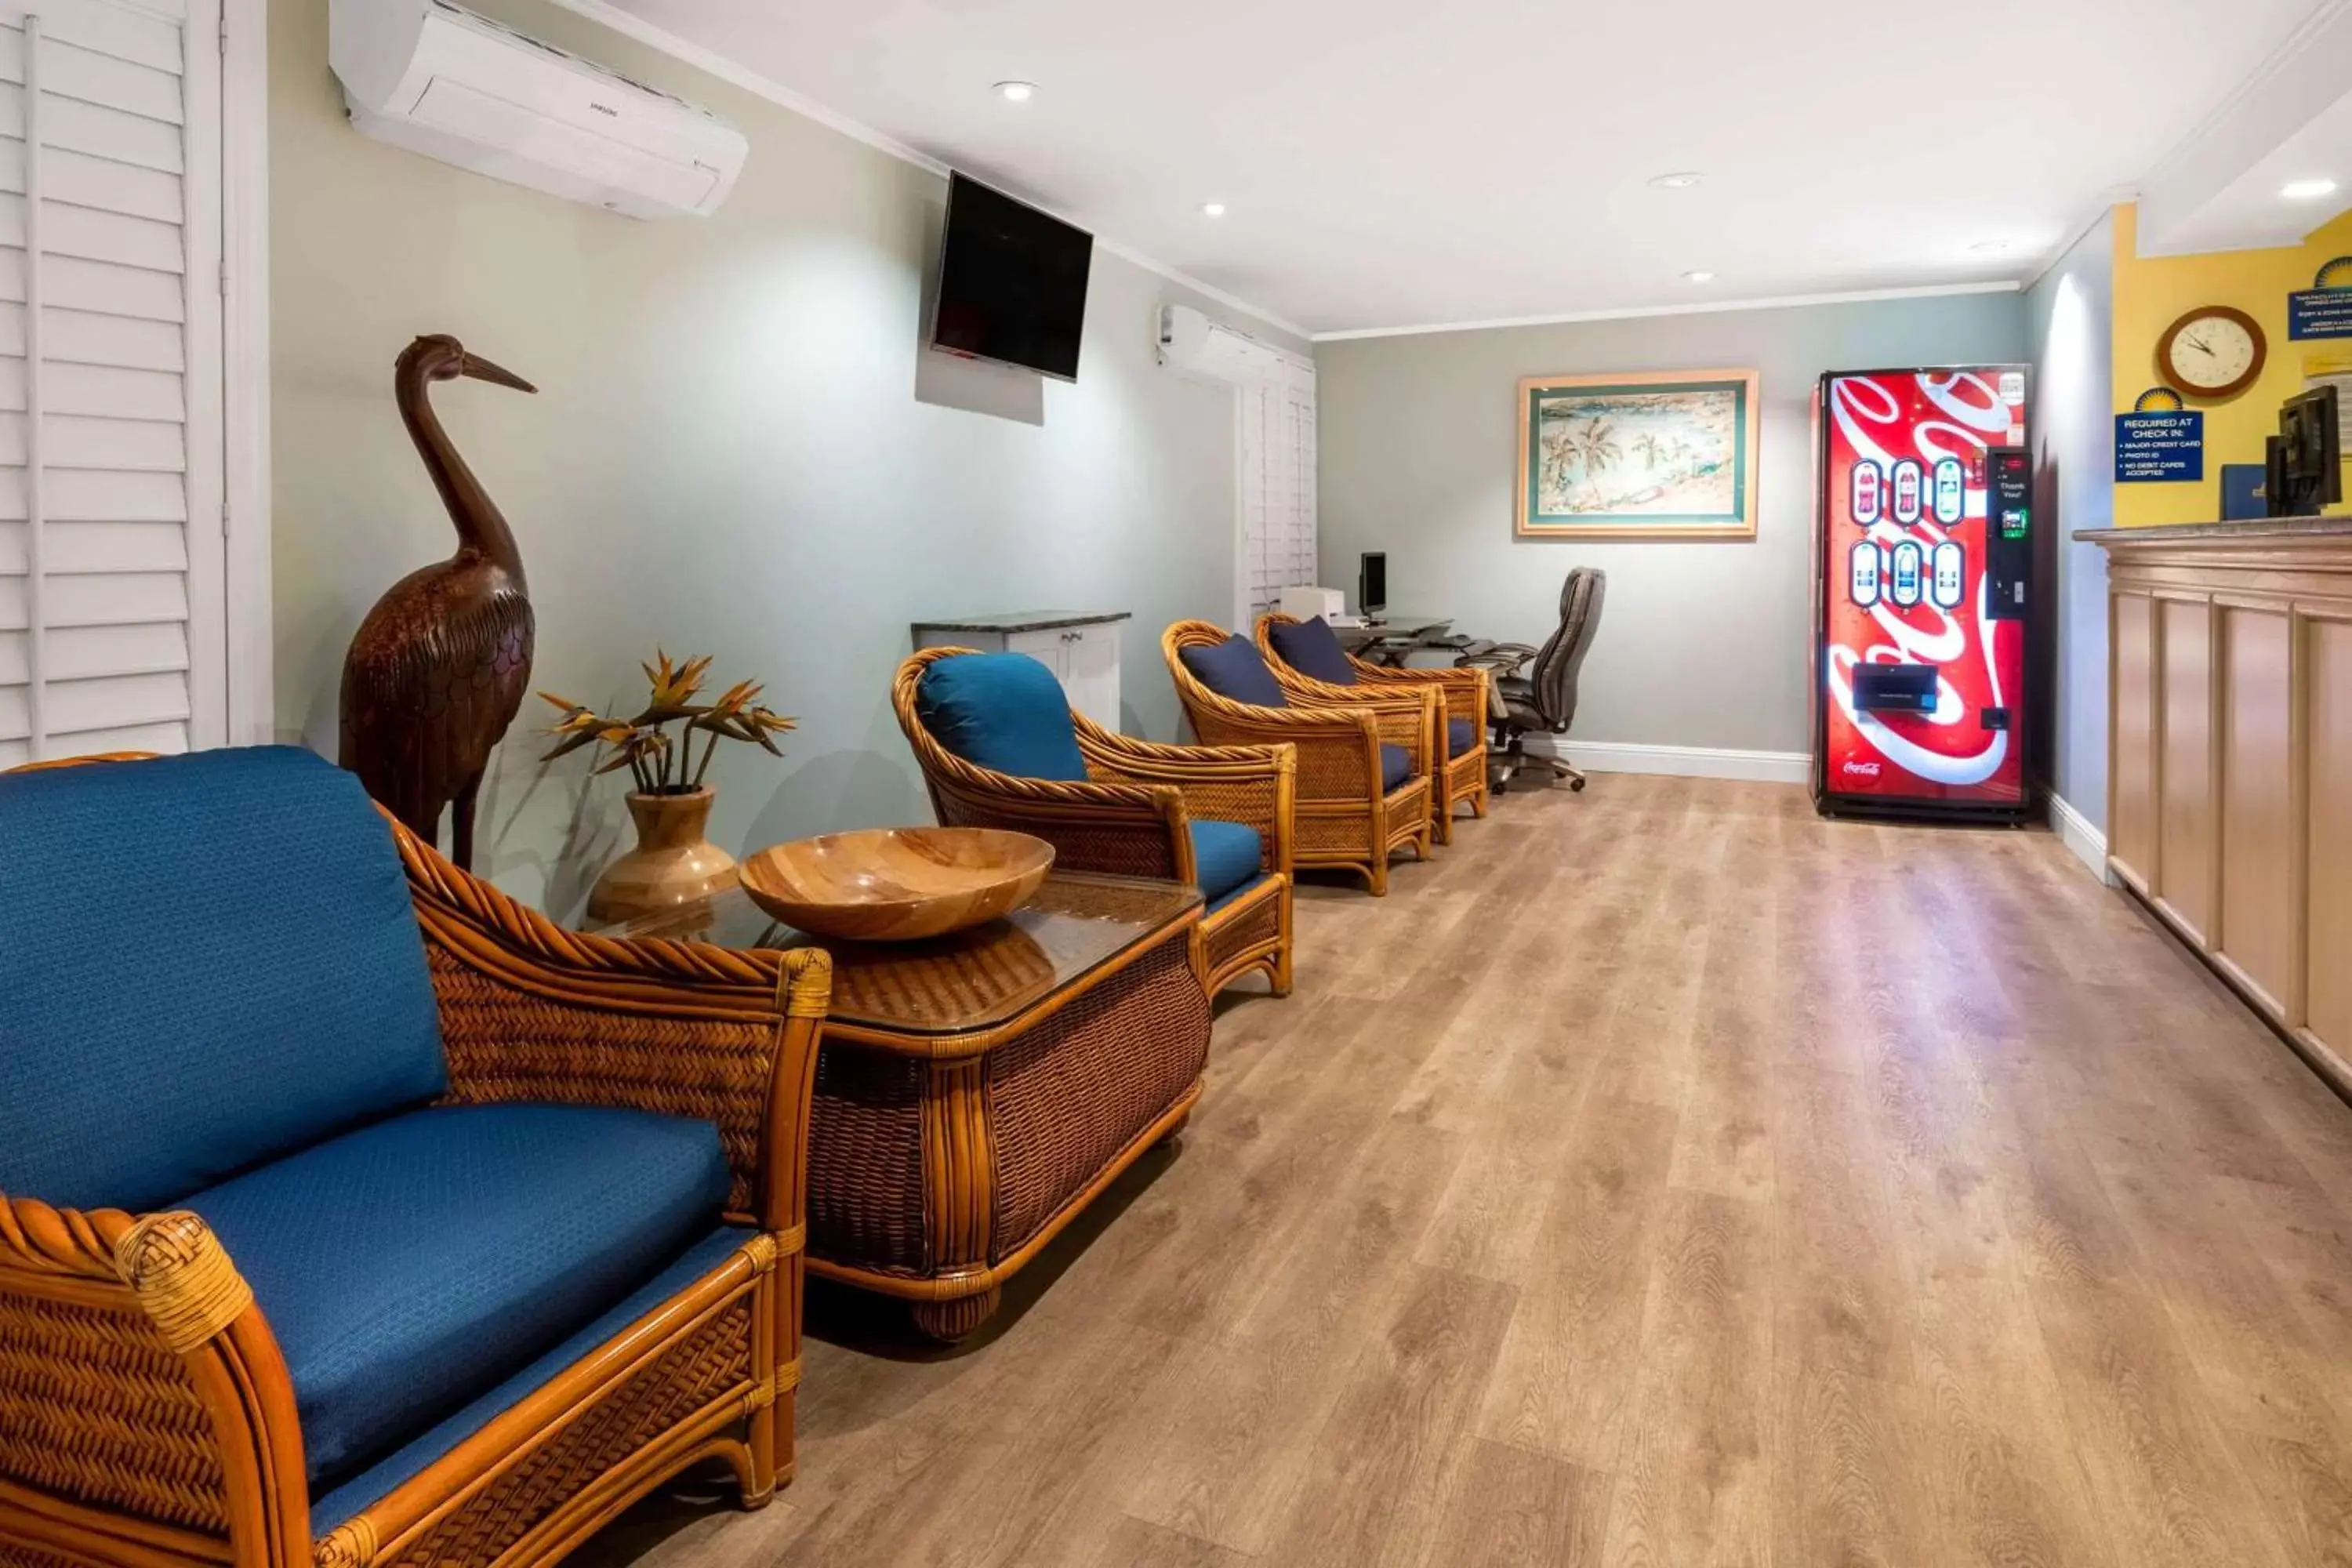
(1025, 621)
(2251, 530)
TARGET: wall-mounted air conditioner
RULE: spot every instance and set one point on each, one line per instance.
(437, 80)
(1192, 343)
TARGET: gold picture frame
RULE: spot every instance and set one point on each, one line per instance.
(1639, 454)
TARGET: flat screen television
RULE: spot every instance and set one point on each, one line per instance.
(1013, 282)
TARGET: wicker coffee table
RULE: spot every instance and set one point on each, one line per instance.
(976, 1091)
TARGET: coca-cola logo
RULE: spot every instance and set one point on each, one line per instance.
(1867, 770)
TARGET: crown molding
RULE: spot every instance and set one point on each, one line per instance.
(712, 63)
(2122, 196)
(2256, 85)
(2297, 83)
(1706, 308)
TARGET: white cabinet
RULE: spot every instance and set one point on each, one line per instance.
(1081, 650)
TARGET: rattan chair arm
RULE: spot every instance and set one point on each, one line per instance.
(1402, 719)
(35, 1238)
(1458, 697)
(182, 1414)
(531, 1011)
(1256, 785)
(1126, 829)
(1462, 692)
(1339, 746)
(1331, 745)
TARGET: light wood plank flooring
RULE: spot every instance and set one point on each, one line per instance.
(1662, 1176)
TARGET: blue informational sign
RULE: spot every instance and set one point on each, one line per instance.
(2159, 447)
(2319, 313)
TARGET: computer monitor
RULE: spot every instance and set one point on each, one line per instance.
(1372, 584)
(2305, 457)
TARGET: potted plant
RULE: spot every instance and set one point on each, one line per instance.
(673, 863)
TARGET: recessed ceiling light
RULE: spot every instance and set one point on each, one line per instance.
(1213, 209)
(1016, 91)
(2307, 190)
(1681, 181)
(1702, 276)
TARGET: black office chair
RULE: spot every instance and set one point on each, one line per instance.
(1542, 700)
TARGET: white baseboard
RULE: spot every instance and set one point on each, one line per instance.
(2087, 843)
(1682, 761)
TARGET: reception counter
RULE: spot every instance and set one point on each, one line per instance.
(2229, 757)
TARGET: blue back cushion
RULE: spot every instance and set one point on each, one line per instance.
(1312, 649)
(1234, 669)
(205, 962)
(1003, 712)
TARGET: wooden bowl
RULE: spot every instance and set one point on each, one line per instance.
(897, 884)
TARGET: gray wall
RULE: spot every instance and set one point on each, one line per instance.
(2074, 457)
(739, 447)
(1702, 644)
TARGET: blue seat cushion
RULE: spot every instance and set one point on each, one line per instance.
(1235, 670)
(1224, 856)
(205, 962)
(1396, 766)
(409, 1266)
(1313, 650)
(1460, 736)
(1002, 711)
(332, 1508)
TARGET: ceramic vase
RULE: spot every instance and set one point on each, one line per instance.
(673, 863)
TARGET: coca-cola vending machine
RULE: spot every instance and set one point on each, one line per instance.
(1923, 581)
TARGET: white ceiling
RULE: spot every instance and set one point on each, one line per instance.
(1395, 162)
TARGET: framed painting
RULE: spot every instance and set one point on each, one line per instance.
(1668, 455)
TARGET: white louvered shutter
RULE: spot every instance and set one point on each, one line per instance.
(1277, 451)
(112, 632)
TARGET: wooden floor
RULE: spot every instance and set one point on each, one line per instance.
(1662, 1176)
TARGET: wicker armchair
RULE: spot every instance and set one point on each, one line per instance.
(148, 1414)
(1134, 816)
(1460, 737)
(1344, 817)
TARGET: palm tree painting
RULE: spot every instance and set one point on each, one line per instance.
(1639, 454)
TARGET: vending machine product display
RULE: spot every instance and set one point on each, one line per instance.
(1923, 581)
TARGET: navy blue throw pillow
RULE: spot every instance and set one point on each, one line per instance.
(1235, 670)
(1312, 649)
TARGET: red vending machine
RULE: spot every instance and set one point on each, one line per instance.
(1922, 583)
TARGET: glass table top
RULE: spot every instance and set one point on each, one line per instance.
(967, 981)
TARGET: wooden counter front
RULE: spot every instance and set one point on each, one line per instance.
(2229, 757)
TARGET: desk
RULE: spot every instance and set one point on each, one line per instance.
(1397, 624)
(976, 1091)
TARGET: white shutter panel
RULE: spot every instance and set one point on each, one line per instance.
(111, 630)
(1299, 402)
(1277, 454)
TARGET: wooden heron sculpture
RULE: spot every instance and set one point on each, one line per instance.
(438, 670)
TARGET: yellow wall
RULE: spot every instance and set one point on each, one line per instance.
(2150, 294)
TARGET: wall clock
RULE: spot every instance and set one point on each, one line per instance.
(2214, 351)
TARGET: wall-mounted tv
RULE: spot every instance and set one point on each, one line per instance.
(1013, 282)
